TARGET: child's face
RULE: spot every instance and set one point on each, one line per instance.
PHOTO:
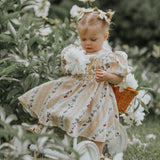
(92, 38)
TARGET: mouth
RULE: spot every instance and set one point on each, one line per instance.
(88, 48)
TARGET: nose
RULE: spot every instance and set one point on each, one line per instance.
(88, 42)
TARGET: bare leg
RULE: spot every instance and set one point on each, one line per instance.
(100, 146)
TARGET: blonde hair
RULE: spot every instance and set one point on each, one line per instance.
(93, 18)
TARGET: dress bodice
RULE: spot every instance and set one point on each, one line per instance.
(112, 62)
(96, 62)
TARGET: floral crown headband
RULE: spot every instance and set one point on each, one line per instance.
(80, 12)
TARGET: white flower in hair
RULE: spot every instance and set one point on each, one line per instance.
(76, 60)
(84, 11)
(102, 15)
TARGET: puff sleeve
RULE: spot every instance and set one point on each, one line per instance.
(116, 62)
(62, 57)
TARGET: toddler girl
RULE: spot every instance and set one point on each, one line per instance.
(83, 104)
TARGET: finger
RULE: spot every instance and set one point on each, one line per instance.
(99, 73)
(99, 70)
(100, 76)
(98, 79)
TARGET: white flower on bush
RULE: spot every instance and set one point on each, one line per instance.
(75, 11)
(45, 31)
(87, 1)
(150, 136)
(20, 144)
(41, 8)
(136, 140)
(131, 81)
(141, 94)
(135, 112)
(138, 115)
(128, 81)
(4, 118)
(145, 98)
(75, 60)
(134, 117)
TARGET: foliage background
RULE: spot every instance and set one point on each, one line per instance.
(30, 56)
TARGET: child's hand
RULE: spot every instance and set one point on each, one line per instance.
(101, 75)
(112, 78)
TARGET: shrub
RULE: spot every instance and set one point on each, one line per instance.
(30, 50)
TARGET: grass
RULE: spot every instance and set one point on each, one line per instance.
(151, 151)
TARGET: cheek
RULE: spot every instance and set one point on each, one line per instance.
(97, 43)
(83, 45)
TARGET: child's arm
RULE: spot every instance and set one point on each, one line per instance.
(112, 78)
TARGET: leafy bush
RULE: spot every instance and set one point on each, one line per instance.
(30, 50)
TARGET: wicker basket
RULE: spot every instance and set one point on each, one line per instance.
(124, 98)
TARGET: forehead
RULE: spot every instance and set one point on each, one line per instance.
(93, 30)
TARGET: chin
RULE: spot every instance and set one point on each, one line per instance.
(89, 50)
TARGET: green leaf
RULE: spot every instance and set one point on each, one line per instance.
(25, 50)
(8, 79)
(10, 16)
(57, 38)
(33, 40)
(12, 29)
(3, 60)
(12, 93)
(31, 65)
(5, 38)
(8, 70)
(145, 107)
(31, 81)
(66, 21)
(50, 20)
(21, 30)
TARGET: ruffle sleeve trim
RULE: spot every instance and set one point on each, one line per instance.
(62, 55)
(118, 64)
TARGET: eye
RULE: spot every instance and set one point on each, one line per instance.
(94, 39)
(83, 39)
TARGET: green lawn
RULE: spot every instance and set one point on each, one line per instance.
(151, 151)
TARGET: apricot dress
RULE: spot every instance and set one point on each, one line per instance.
(78, 104)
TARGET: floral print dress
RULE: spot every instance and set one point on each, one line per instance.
(78, 104)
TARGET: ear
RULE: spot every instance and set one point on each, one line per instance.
(106, 35)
